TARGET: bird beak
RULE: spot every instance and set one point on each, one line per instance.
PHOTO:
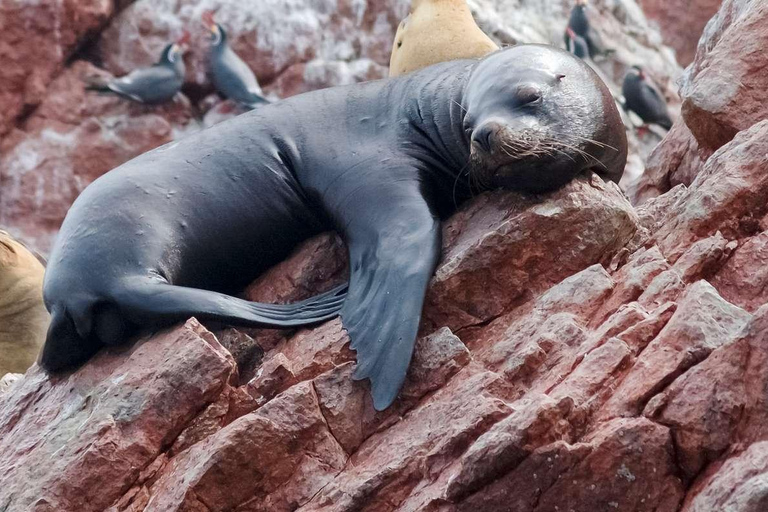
(182, 45)
(208, 20)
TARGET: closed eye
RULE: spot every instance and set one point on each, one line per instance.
(528, 95)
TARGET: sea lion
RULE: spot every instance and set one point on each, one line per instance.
(23, 318)
(381, 162)
(437, 31)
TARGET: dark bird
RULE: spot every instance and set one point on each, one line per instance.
(576, 44)
(153, 85)
(232, 77)
(644, 99)
(579, 25)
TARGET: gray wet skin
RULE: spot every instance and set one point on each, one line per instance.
(150, 243)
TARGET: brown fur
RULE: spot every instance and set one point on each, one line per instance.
(23, 318)
(437, 31)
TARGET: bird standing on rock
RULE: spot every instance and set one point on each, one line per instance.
(644, 99)
(576, 44)
(579, 25)
(232, 77)
(157, 84)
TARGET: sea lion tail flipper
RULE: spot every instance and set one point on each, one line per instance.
(391, 268)
(161, 302)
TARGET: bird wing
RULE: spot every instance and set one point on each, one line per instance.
(654, 101)
(140, 84)
(240, 71)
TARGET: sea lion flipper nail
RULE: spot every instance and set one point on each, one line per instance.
(390, 269)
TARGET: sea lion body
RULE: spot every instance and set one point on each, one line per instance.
(23, 318)
(381, 162)
(437, 31)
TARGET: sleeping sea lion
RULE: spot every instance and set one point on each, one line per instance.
(23, 318)
(166, 235)
(437, 31)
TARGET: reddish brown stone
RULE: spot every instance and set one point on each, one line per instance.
(723, 89)
(730, 190)
(36, 39)
(681, 23)
(74, 137)
(79, 441)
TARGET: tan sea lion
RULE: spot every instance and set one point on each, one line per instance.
(437, 31)
(23, 318)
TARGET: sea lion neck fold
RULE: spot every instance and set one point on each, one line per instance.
(436, 113)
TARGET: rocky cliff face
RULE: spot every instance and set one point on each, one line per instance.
(577, 353)
(56, 138)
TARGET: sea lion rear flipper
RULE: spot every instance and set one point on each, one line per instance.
(161, 302)
(394, 246)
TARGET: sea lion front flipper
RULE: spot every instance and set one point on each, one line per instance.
(394, 245)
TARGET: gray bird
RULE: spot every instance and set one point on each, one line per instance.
(232, 77)
(642, 98)
(579, 24)
(153, 85)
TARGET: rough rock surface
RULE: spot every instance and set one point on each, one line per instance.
(71, 139)
(36, 39)
(722, 92)
(576, 353)
(681, 23)
(59, 138)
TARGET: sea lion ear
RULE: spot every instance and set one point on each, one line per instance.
(559, 77)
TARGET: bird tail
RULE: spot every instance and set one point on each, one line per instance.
(257, 100)
(96, 84)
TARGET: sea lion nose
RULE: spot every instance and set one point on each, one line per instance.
(483, 136)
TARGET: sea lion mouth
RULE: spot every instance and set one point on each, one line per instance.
(510, 159)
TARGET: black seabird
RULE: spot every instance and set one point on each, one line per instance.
(644, 99)
(579, 24)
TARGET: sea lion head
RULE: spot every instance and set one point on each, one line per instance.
(536, 117)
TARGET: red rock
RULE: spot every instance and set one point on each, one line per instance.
(74, 137)
(347, 405)
(625, 465)
(702, 322)
(79, 441)
(726, 196)
(739, 485)
(271, 37)
(276, 458)
(676, 160)
(743, 279)
(483, 274)
(423, 442)
(36, 39)
(673, 15)
(722, 90)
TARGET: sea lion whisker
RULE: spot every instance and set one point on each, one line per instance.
(587, 157)
(596, 143)
(459, 105)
